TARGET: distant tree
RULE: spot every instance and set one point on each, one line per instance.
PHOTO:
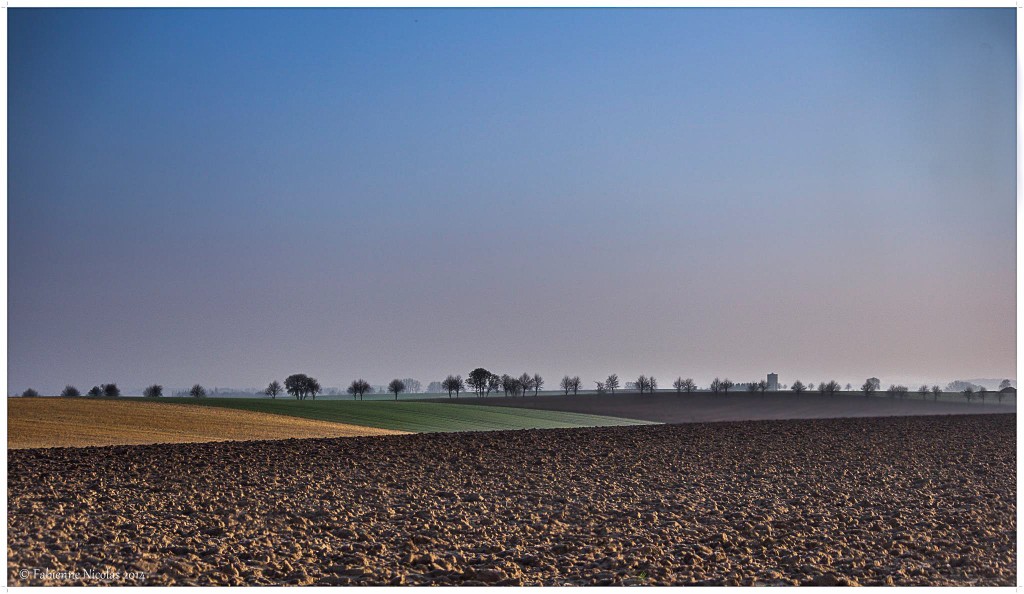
(460, 386)
(810, 387)
(936, 392)
(689, 385)
(111, 390)
(412, 386)
(969, 393)
(508, 384)
(726, 384)
(566, 384)
(576, 383)
(273, 389)
(296, 385)
(358, 388)
(449, 384)
(154, 391)
(600, 387)
(312, 387)
(478, 380)
(493, 383)
(960, 385)
(1005, 384)
(891, 391)
(525, 384)
(95, 392)
(849, 387)
(982, 392)
(436, 388)
(396, 387)
(798, 387)
(70, 392)
(30, 393)
(752, 387)
(762, 386)
(716, 386)
(641, 383)
(537, 383)
(652, 384)
(197, 391)
(923, 391)
(821, 388)
(831, 388)
(868, 387)
(1000, 395)
(612, 383)
(678, 385)
(902, 391)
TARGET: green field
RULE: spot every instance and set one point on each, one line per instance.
(418, 417)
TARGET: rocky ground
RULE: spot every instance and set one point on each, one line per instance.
(902, 500)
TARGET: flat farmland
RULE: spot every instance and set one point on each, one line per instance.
(702, 407)
(926, 500)
(77, 422)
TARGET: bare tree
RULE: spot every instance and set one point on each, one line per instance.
(111, 390)
(538, 383)
(600, 387)
(30, 393)
(612, 383)
(478, 380)
(493, 383)
(689, 385)
(762, 386)
(566, 384)
(868, 387)
(936, 392)
(902, 391)
(982, 392)
(449, 384)
(95, 392)
(273, 389)
(412, 386)
(716, 386)
(726, 384)
(154, 391)
(752, 387)
(798, 387)
(197, 391)
(830, 388)
(70, 392)
(849, 387)
(969, 393)
(678, 385)
(652, 384)
(810, 387)
(923, 391)
(357, 388)
(296, 385)
(508, 384)
(396, 387)
(642, 383)
(576, 383)
(525, 384)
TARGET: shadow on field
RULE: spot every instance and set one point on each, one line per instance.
(669, 407)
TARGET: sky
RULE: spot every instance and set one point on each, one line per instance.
(230, 196)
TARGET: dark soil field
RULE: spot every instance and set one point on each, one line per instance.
(699, 407)
(926, 500)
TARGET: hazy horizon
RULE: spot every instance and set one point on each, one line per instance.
(229, 196)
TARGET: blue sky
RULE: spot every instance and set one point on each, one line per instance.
(230, 196)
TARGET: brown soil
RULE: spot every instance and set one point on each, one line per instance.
(703, 407)
(912, 500)
(61, 422)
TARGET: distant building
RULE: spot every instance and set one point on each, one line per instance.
(773, 382)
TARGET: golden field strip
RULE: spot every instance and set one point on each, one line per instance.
(64, 422)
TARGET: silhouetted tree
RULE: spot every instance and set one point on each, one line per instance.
(448, 384)
(849, 387)
(868, 387)
(982, 392)
(493, 383)
(969, 393)
(642, 383)
(538, 383)
(460, 386)
(1005, 384)
(612, 383)
(30, 393)
(923, 391)
(726, 384)
(566, 384)
(396, 387)
(478, 380)
(154, 391)
(652, 384)
(70, 392)
(798, 387)
(412, 386)
(111, 390)
(716, 386)
(762, 386)
(576, 383)
(678, 385)
(358, 388)
(689, 385)
(810, 387)
(95, 392)
(273, 389)
(891, 391)
(902, 391)
(508, 384)
(936, 392)
(830, 388)
(525, 384)
(752, 387)
(600, 387)
(197, 391)
(296, 385)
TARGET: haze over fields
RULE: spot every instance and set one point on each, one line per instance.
(228, 197)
